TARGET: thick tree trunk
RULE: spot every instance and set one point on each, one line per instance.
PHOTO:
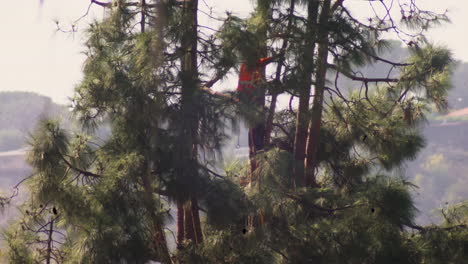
(159, 236)
(190, 117)
(316, 115)
(307, 62)
(188, 222)
(196, 221)
(180, 223)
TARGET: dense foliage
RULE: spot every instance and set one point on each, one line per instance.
(329, 187)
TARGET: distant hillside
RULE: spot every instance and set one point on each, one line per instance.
(19, 112)
(441, 169)
(458, 96)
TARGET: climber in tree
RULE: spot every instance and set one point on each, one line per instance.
(251, 91)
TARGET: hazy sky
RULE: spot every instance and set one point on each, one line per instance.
(34, 57)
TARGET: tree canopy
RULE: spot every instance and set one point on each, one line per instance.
(329, 187)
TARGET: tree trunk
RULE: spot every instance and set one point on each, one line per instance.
(196, 221)
(180, 223)
(49, 242)
(190, 117)
(159, 237)
(302, 120)
(258, 130)
(274, 95)
(188, 222)
(316, 115)
(143, 15)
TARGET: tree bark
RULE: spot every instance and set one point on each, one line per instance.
(143, 15)
(189, 227)
(190, 118)
(317, 107)
(196, 221)
(180, 223)
(274, 95)
(188, 222)
(49, 242)
(159, 237)
(302, 120)
(258, 130)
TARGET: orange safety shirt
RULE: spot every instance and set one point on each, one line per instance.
(249, 77)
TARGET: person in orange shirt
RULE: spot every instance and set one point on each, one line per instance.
(250, 90)
(251, 77)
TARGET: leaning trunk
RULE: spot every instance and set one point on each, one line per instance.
(316, 115)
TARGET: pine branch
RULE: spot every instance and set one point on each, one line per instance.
(214, 173)
(83, 172)
(324, 209)
(103, 4)
(283, 129)
(361, 79)
(220, 95)
(108, 4)
(210, 83)
(425, 229)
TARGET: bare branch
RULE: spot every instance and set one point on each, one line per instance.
(101, 3)
(361, 79)
(85, 173)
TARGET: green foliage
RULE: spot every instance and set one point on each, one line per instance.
(446, 243)
(230, 245)
(19, 251)
(226, 205)
(431, 70)
(112, 198)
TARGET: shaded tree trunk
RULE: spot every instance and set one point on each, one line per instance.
(190, 117)
(317, 107)
(189, 228)
(180, 223)
(257, 132)
(274, 96)
(198, 236)
(307, 62)
(159, 236)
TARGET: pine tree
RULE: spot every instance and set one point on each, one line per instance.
(116, 193)
(328, 189)
(351, 137)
